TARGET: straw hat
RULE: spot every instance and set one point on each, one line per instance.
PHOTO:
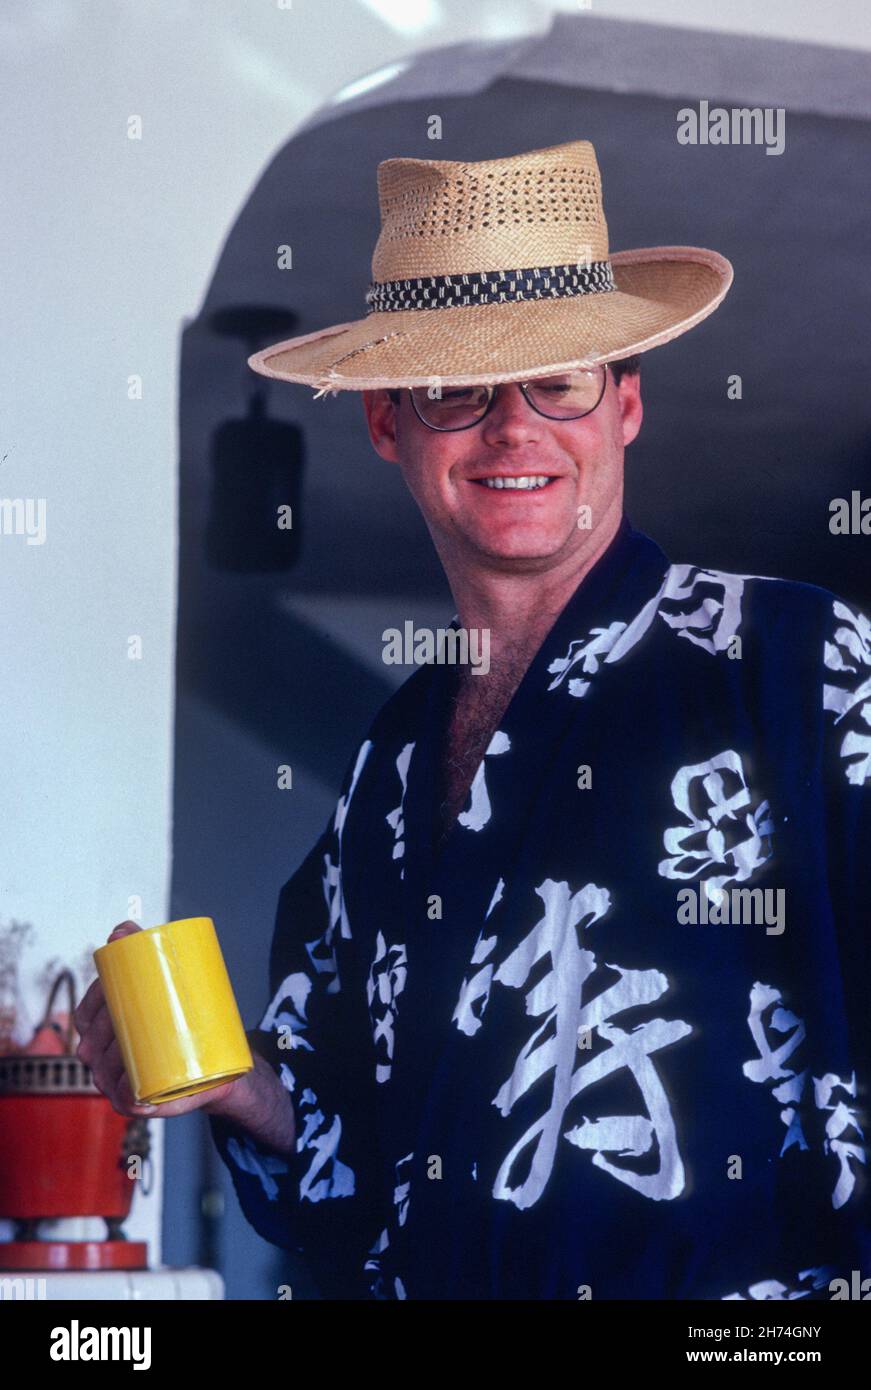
(498, 271)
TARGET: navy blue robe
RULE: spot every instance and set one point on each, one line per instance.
(539, 1063)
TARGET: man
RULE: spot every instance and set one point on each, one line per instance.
(569, 998)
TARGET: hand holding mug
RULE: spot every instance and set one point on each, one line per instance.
(152, 1005)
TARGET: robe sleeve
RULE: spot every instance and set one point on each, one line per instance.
(846, 700)
(313, 1033)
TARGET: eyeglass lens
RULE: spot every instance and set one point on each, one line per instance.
(562, 397)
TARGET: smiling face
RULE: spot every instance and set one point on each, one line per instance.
(479, 489)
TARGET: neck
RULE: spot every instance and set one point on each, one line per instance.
(520, 609)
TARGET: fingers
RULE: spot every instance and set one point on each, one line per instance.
(99, 1049)
(97, 1036)
(105, 1065)
(110, 1078)
(126, 1102)
(125, 928)
(185, 1104)
(93, 999)
(124, 1099)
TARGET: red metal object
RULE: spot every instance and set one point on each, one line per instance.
(73, 1254)
(64, 1153)
(61, 1155)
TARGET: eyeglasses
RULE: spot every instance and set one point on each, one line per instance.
(566, 396)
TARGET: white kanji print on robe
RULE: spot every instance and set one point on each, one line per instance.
(475, 991)
(384, 985)
(850, 655)
(396, 818)
(478, 811)
(558, 1000)
(263, 1166)
(722, 830)
(287, 1015)
(842, 1118)
(322, 951)
(702, 606)
(399, 1215)
(326, 1175)
(768, 1290)
(585, 653)
(842, 1130)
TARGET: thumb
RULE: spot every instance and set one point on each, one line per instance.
(123, 929)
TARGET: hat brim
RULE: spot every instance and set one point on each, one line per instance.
(662, 291)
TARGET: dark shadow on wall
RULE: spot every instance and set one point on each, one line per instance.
(279, 633)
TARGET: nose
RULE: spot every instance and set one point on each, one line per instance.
(511, 419)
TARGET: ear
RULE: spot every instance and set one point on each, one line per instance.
(381, 419)
(629, 405)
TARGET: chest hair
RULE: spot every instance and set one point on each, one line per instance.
(476, 708)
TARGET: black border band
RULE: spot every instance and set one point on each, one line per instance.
(490, 287)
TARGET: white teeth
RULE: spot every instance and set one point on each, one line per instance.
(529, 481)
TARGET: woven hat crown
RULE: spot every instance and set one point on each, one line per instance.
(439, 217)
(500, 270)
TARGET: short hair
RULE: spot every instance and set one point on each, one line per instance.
(625, 366)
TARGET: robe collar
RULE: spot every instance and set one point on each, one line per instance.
(467, 872)
(627, 574)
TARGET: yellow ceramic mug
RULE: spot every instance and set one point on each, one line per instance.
(173, 1009)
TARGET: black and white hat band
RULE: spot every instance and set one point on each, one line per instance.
(490, 287)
